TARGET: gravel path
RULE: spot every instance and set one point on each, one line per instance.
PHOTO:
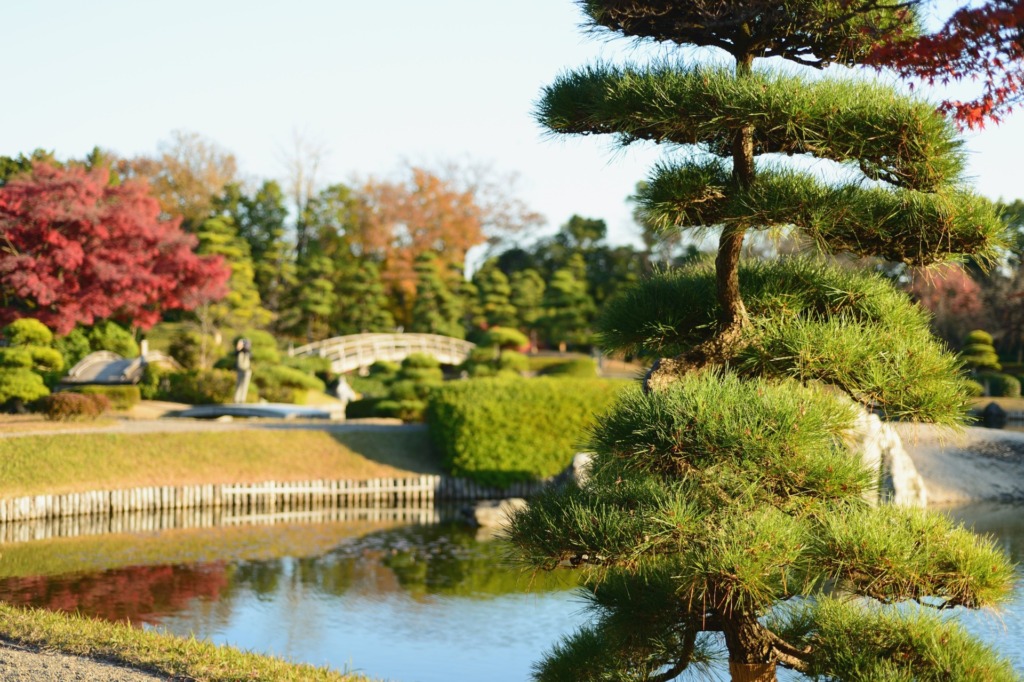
(23, 664)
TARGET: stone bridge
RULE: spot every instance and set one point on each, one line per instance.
(349, 353)
(106, 367)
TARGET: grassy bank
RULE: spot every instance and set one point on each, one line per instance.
(178, 657)
(63, 463)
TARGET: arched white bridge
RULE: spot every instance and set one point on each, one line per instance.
(348, 353)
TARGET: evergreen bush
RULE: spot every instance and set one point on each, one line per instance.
(120, 398)
(999, 385)
(201, 387)
(978, 353)
(503, 430)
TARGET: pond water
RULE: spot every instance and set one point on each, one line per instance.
(411, 603)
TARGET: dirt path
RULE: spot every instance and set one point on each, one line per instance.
(23, 664)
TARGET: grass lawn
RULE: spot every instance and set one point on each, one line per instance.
(177, 657)
(58, 463)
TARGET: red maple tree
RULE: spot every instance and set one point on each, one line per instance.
(982, 43)
(75, 248)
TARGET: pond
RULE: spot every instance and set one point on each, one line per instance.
(420, 602)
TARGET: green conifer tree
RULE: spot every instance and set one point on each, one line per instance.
(436, 310)
(527, 296)
(362, 303)
(724, 513)
(568, 308)
(242, 306)
(493, 306)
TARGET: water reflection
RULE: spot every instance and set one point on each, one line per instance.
(406, 602)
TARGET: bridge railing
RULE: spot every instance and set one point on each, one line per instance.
(348, 353)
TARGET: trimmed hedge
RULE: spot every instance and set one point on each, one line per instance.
(120, 397)
(503, 430)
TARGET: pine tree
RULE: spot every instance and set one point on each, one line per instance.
(492, 306)
(241, 307)
(568, 308)
(723, 506)
(362, 303)
(436, 310)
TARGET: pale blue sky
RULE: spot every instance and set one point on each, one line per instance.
(376, 83)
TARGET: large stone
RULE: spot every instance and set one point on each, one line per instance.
(881, 448)
(495, 513)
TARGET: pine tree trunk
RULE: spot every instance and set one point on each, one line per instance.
(750, 649)
(752, 672)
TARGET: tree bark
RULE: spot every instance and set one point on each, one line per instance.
(732, 316)
(751, 654)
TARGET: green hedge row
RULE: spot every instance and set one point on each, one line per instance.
(500, 431)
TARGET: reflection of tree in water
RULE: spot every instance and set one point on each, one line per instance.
(442, 559)
(140, 594)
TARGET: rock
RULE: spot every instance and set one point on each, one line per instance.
(495, 513)
(577, 472)
(993, 416)
(881, 448)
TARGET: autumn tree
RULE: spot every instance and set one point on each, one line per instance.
(722, 497)
(953, 298)
(407, 217)
(186, 177)
(77, 249)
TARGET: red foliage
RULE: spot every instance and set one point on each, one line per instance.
(981, 43)
(76, 249)
(139, 594)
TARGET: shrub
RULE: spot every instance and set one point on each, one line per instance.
(28, 332)
(512, 361)
(421, 361)
(505, 338)
(499, 431)
(108, 335)
(577, 367)
(384, 368)
(187, 348)
(264, 347)
(68, 406)
(1000, 385)
(287, 377)
(362, 409)
(307, 363)
(19, 386)
(978, 352)
(119, 397)
(372, 386)
(154, 383)
(974, 389)
(201, 387)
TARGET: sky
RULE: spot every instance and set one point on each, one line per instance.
(377, 84)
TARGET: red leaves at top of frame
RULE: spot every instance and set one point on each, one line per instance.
(982, 43)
